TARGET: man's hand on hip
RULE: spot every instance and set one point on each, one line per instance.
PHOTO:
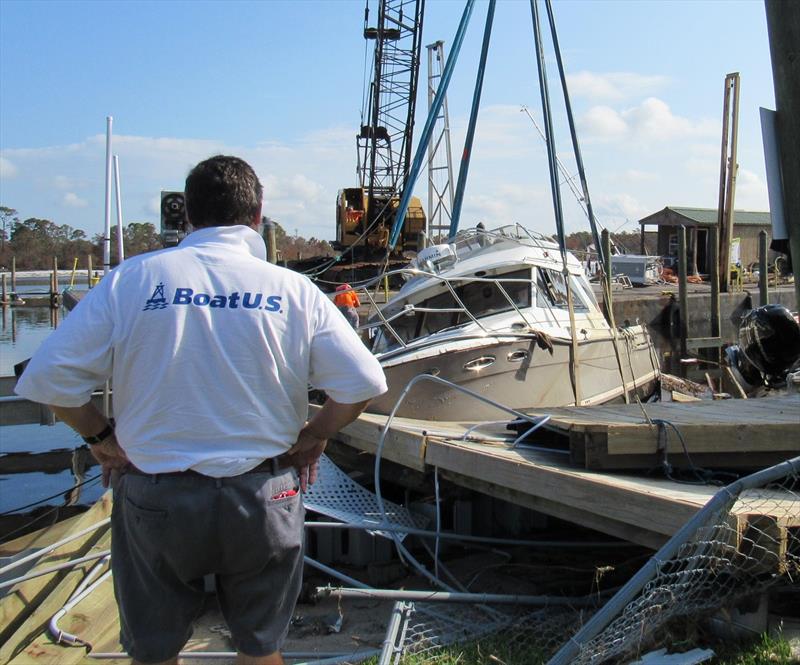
(305, 454)
(110, 455)
(313, 438)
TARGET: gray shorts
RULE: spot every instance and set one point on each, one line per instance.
(169, 531)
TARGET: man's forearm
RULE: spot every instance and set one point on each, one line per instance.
(333, 416)
(86, 420)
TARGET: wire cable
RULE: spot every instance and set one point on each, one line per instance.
(9, 536)
(53, 496)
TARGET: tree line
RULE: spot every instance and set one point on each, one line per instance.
(34, 242)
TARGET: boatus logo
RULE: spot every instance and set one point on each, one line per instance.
(235, 300)
(157, 300)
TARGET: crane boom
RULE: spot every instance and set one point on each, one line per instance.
(384, 141)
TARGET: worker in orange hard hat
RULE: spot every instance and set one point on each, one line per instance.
(347, 300)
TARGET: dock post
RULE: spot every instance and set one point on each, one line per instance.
(89, 270)
(13, 276)
(54, 282)
(272, 246)
(5, 299)
(714, 278)
(682, 295)
(763, 275)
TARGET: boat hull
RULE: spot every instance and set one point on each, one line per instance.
(518, 374)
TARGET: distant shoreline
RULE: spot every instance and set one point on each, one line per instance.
(36, 275)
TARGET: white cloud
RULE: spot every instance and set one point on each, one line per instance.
(300, 177)
(72, 200)
(7, 168)
(650, 121)
(635, 175)
(751, 191)
(152, 206)
(613, 86)
(67, 183)
(620, 206)
(604, 124)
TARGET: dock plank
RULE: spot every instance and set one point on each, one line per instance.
(652, 506)
(641, 509)
(26, 610)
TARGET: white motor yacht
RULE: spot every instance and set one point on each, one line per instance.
(489, 312)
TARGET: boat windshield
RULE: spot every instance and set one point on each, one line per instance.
(552, 291)
(481, 298)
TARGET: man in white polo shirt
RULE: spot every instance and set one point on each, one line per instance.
(211, 350)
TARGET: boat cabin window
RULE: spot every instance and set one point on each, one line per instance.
(485, 298)
(552, 291)
(482, 299)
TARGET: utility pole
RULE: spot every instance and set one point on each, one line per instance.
(783, 26)
(727, 177)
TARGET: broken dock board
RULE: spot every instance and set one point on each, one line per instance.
(640, 508)
(721, 433)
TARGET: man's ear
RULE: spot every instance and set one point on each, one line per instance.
(256, 221)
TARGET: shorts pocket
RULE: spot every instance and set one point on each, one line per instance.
(144, 514)
(282, 489)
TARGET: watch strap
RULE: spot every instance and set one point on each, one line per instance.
(101, 436)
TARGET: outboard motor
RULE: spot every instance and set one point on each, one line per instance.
(769, 346)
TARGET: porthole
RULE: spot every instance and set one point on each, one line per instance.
(479, 363)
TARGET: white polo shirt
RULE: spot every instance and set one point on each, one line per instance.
(211, 350)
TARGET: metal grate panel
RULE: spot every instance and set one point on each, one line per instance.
(337, 495)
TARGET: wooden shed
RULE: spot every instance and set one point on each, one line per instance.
(746, 227)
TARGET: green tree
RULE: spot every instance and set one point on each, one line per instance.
(8, 217)
(296, 247)
(137, 238)
(35, 242)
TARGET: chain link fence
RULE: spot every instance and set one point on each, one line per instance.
(744, 542)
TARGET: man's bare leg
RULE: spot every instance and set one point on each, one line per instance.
(273, 658)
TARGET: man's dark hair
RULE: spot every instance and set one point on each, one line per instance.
(222, 191)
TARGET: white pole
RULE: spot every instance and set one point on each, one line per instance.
(120, 238)
(107, 227)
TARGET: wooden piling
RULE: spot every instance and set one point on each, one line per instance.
(13, 274)
(683, 302)
(714, 279)
(5, 298)
(89, 270)
(763, 288)
(272, 243)
(54, 285)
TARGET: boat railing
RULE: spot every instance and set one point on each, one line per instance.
(370, 288)
(470, 240)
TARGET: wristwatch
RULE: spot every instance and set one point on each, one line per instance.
(101, 436)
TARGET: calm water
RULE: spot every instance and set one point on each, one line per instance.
(23, 330)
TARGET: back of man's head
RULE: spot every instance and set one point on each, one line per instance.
(222, 191)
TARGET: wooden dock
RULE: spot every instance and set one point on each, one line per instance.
(640, 507)
(637, 507)
(730, 433)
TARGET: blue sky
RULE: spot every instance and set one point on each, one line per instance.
(280, 83)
